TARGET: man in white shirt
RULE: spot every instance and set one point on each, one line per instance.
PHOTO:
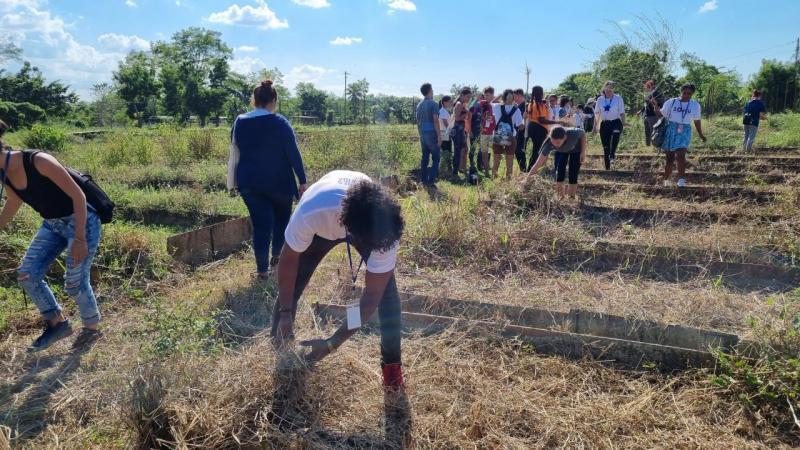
(345, 207)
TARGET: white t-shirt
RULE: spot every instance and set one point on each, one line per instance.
(609, 109)
(444, 123)
(554, 113)
(516, 118)
(681, 112)
(318, 214)
(578, 116)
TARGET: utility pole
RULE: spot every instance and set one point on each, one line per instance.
(527, 78)
(344, 109)
(797, 74)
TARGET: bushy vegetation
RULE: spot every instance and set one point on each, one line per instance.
(44, 137)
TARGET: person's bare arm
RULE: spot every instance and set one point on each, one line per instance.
(13, 202)
(584, 146)
(539, 163)
(699, 127)
(374, 287)
(52, 169)
(288, 264)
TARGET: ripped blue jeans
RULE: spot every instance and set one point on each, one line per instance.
(55, 236)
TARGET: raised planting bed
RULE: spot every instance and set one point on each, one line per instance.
(549, 337)
(648, 216)
(693, 193)
(676, 265)
(210, 243)
(160, 217)
(707, 163)
(654, 177)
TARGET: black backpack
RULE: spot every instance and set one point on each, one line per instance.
(747, 118)
(95, 196)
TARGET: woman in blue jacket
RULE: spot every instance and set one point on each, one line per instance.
(265, 167)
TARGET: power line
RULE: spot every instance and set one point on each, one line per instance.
(756, 51)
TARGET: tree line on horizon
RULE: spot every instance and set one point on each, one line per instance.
(188, 79)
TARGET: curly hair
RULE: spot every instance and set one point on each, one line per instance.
(372, 216)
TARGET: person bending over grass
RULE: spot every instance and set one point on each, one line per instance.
(680, 112)
(538, 122)
(265, 166)
(571, 145)
(344, 207)
(70, 223)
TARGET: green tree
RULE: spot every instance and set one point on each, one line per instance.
(580, 86)
(29, 86)
(106, 106)
(313, 102)
(356, 98)
(9, 52)
(629, 68)
(778, 81)
(717, 91)
(201, 60)
(137, 83)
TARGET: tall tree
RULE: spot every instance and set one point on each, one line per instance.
(629, 68)
(313, 102)
(137, 83)
(29, 86)
(717, 90)
(356, 97)
(201, 60)
(778, 80)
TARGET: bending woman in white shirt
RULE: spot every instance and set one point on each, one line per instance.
(680, 113)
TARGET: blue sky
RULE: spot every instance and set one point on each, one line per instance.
(395, 44)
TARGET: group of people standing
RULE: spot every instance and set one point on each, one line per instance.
(509, 121)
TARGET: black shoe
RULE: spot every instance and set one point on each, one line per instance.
(86, 337)
(51, 335)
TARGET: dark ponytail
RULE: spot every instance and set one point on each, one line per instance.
(444, 99)
(264, 94)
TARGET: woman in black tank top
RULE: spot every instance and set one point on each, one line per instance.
(40, 181)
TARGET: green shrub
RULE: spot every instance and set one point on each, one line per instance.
(180, 331)
(44, 137)
(201, 144)
(129, 147)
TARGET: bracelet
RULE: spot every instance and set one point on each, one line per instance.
(330, 346)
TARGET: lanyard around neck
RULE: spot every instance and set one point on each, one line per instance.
(353, 274)
(684, 111)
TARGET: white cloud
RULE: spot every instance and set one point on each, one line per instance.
(708, 6)
(309, 74)
(400, 5)
(313, 3)
(624, 23)
(131, 3)
(247, 49)
(50, 46)
(247, 65)
(346, 40)
(258, 16)
(123, 42)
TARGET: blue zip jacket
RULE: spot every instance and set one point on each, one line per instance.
(269, 159)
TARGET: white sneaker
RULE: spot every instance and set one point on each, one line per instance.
(682, 182)
(667, 183)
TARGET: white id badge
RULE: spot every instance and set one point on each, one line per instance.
(680, 128)
(353, 316)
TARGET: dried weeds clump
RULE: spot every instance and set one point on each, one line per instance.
(462, 393)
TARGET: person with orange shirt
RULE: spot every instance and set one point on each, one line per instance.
(538, 122)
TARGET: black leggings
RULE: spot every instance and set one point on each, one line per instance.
(573, 160)
(537, 134)
(519, 152)
(388, 308)
(610, 133)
